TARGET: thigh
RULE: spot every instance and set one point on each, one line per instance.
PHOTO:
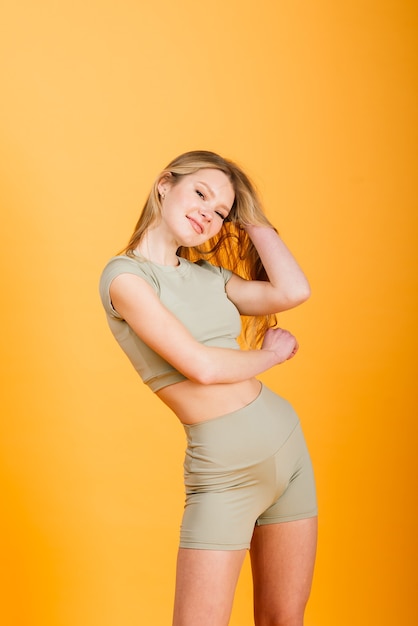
(282, 561)
(296, 483)
(231, 475)
(205, 586)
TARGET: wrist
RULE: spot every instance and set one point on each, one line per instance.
(276, 357)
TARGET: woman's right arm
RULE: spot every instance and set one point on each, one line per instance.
(138, 304)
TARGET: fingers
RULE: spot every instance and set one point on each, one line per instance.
(282, 342)
(292, 354)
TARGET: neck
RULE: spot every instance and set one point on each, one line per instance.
(154, 249)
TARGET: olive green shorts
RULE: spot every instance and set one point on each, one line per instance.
(246, 468)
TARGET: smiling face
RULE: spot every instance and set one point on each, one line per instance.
(195, 206)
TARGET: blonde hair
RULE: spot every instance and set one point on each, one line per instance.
(231, 247)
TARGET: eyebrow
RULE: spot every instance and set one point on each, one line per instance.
(210, 191)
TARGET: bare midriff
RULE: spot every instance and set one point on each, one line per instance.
(194, 403)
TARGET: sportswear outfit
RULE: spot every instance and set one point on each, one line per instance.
(247, 467)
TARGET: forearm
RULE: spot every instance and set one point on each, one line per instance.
(224, 365)
(283, 271)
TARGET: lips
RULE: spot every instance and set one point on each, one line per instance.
(196, 225)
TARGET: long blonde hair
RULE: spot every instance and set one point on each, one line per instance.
(231, 247)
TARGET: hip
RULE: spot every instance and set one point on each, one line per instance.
(242, 437)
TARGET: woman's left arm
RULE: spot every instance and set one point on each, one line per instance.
(287, 285)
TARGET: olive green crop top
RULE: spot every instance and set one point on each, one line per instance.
(193, 292)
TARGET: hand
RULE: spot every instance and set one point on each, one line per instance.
(281, 342)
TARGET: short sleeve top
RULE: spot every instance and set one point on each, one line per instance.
(193, 292)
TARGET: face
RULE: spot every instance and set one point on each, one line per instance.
(194, 209)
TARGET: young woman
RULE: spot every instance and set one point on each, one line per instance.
(203, 254)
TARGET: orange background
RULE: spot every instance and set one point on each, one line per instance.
(317, 101)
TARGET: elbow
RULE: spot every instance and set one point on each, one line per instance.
(297, 297)
(305, 293)
(205, 380)
(203, 371)
(204, 377)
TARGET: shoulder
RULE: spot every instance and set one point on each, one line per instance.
(123, 265)
(214, 269)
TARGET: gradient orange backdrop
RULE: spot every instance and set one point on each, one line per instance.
(317, 100)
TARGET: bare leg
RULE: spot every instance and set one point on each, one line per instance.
(205, 586)
(282, 561)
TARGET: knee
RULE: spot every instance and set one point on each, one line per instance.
(283, 617)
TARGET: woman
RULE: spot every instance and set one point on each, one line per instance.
(203, 254)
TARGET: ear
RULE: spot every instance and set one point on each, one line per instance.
(164, 183)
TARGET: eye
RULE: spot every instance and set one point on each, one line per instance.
(223, 217)
(200, 194)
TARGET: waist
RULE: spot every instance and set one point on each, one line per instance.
(194, 403)
(240, 438)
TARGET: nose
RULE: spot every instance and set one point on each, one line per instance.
(206, 214)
